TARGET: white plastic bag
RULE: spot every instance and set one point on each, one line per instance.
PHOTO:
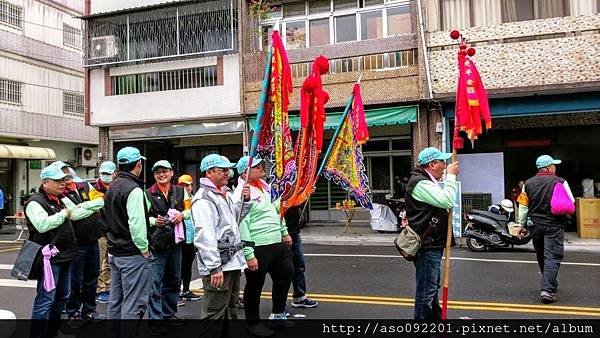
(383, 218)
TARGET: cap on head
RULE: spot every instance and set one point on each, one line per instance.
(432, 153)
(215, 161)
(185, 179)
(162, 164)
(242, 164)
(59, 164)
(52, 172)
(107, 167)
(129, 155)
(507, 205)
(545, 161)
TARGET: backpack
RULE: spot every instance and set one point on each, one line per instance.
(561, 203)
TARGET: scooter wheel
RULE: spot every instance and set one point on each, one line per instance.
(475, 245)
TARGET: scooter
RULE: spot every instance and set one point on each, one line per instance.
(488, 230)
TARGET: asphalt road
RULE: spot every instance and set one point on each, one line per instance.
(375, 283)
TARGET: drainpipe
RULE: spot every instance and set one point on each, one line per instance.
(424, 47)
(86, 72)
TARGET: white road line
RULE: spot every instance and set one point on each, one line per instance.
(18, 283)
(6, 266)
(452, 258)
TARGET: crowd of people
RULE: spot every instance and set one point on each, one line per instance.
(116, 242)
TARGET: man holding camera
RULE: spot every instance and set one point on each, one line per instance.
(167, 212)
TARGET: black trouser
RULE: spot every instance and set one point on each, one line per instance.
(550, 250)
(188, 253)
(276, 260)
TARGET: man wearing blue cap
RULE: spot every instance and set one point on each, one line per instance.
(49, 223)
(220, 257)
(108, 172)
(271, 251)
(169, 207)
(547, 230)
(427, 210)
(129, 254)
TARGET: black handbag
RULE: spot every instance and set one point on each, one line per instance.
(29, 262)
(163, 238)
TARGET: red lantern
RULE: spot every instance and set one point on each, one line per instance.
(455, 34)
(471, 51)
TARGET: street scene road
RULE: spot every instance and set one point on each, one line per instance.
(373, 282)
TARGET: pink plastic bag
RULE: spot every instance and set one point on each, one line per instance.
(561, 203)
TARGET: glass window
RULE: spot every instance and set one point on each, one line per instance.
(517, 10)
(266, 36)
(371, 25)
(11, 14)
(366, 3)
(73, 103)
(294, 9)
(319, 6)
(71, 36)
(399, 20)
(319, 32)
(295, 35)
(339, 5)
(345, 28)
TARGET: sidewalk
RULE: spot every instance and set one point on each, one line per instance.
(330, 235)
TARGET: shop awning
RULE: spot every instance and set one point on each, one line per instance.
(388, 116)
(24, 152)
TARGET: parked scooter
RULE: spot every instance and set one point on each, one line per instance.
(489, 230)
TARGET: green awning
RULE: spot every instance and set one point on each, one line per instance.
(375, 117)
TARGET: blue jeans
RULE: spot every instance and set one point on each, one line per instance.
(427, 265)
(47, 305)
(85, 269)
(166, 280)
(550, 250)
(299, 280)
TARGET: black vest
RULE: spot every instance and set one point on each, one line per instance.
(63, 236)
(161, 205)
(115, 203)
(87, 230)
(420, 214)
(539, 191)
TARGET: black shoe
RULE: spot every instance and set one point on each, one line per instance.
(276, 324)
(75, 321)
(155, 330)
(189, 295)
(548, 297)
(172, 321)
(260, 330)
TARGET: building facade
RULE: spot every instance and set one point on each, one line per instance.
(539, 61)
(41, 94)
(164, 76)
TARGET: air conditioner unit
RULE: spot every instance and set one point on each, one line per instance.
(86, 157)
(103, 47)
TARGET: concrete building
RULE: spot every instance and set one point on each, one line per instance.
(540, 63)
(164, 76)
(41, 94)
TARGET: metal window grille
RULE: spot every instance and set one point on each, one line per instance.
(198, 28)
(403, 58)
(73, 103)
(10, 91)
(11, 15)
(164, 80)
(71, 36)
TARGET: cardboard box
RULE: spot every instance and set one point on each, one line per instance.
(588, 217)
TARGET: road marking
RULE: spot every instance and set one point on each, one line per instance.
(16, 248)
(18, 283)
(451, 258)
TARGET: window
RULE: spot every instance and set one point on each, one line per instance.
(294, 9)
(71, 36)
(371, 62)
(398, 20)
(513, 10)
(73, 103)
(295, 35)
(365, 3)
(319, 32)
(164, 80)
(339, 5)
(10, 91)
(371, 25)
(319, 6)
(266, 32)
(345, 28)
(402, 59)
(11, 15)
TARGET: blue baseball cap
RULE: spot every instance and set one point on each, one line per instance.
(162, 164)
(545, 161)
(215, 161)
(59, 164)
(432, 153)
(242, 164)
(129, 155)
(52, 172)
(107, 167)
(73, 174)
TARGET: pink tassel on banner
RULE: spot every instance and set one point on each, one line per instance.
(48, 275)
(179, 234)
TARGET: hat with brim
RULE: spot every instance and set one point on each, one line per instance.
(52, 172)
(107, 167)
(215, 161)
(59, 164)
(507, 205)
(129, 155)
(431, 154)
(242, 164)
(162, 164)
(545, 161)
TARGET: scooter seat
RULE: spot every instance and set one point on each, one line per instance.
(496, 217)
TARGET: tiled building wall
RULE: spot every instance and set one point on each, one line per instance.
(539, 55)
